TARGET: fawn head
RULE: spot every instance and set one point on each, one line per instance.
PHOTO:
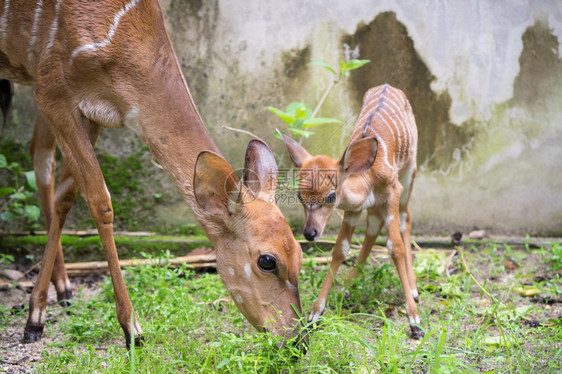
(258, 258)
(321, 179)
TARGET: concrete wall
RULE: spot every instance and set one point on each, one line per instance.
(484, 79)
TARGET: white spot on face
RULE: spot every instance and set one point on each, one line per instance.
(230, 271)
(345, 246)
(239, 299)
(248, 270)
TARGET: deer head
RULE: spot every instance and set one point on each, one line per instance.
(322, 178)
(258, 258)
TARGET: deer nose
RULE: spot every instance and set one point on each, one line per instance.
(310, 235)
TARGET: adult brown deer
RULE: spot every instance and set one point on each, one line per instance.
(111, 64)
(375, 173)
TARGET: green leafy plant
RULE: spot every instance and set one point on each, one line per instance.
(17, 200)
(299, 117)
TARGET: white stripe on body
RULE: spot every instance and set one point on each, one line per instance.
(399, 113)
(54, 28)
(110, 33)
(368, 102)
(4, 22)
(34, 30)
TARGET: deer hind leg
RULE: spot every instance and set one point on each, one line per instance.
(339, 254)
(397, 252)
(405, 230)
(42, 150)
(374, 226)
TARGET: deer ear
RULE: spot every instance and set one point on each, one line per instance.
(359, 156)
(215, 184)
(260, 169)
(296, 151)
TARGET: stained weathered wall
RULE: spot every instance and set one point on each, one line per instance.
(484, 79)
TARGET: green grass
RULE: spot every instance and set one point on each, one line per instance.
(191, 325)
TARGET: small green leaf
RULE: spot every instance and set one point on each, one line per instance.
(527, 291)
(324, 65)
(304, 133)
(6, 191)
(30, 178)
(7, 216)
(18, 196)
(287, 118)
(353, 64)
(319, 121)
(3, 161)
(499, 341)
(32, 212)
(299, 110)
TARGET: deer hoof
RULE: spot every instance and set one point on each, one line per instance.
(139, 341)
(417, 333)
(64, 297)
(32, 334)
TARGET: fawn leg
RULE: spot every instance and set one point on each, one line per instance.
(339, 254)
(397, 252)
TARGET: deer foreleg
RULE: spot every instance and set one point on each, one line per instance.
(397, 252)
(79, 154)
(339, 254)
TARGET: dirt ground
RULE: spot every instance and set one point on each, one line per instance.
(16, 357)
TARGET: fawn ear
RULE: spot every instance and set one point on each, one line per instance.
(215, 184)
(359, 156)
(260, 169)
(296, 151)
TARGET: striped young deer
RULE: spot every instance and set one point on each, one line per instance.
(376, 174)
(109, 65)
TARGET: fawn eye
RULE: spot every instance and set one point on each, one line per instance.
(330, 199)
(267, 263)
(299, 196)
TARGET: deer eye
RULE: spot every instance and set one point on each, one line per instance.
(267, 263)
(330, 199)
(299, 196)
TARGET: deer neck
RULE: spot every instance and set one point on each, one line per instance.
(356, 193)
